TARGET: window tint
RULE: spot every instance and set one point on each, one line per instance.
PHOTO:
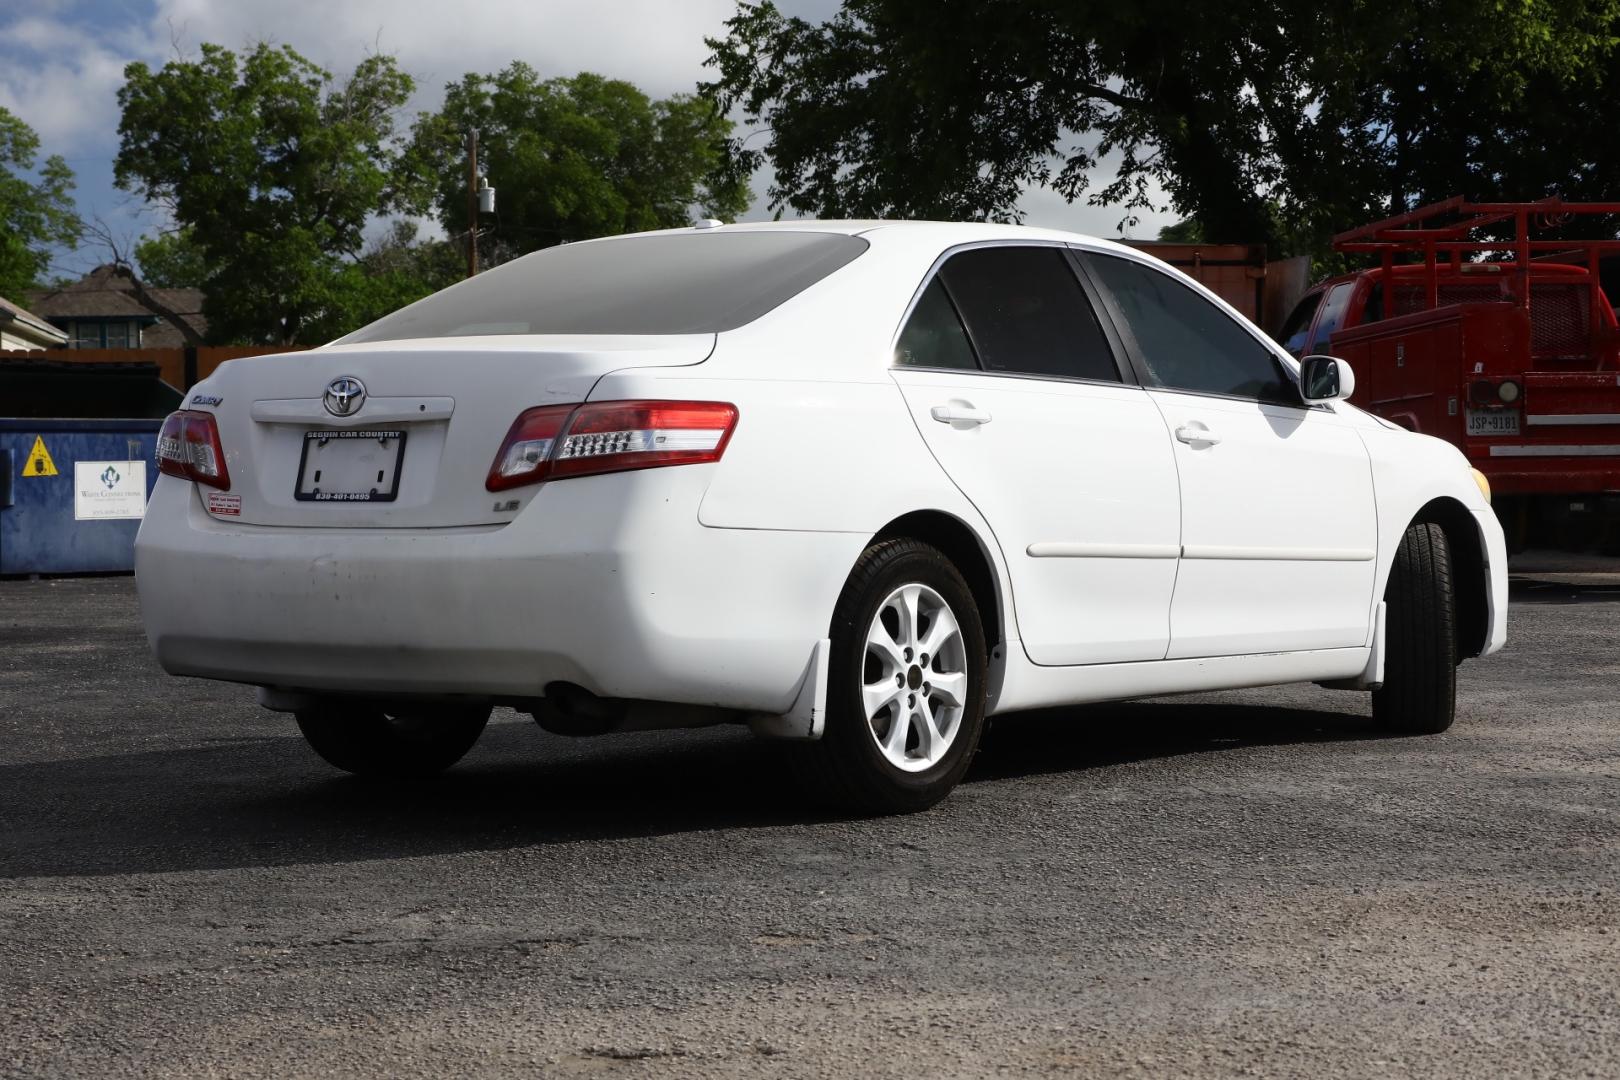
(1187, 343)
(1298, 326)
(934, 336)
(664, 283)
(1333, 309)
(1027, 313)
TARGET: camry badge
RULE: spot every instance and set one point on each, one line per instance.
(344, 395)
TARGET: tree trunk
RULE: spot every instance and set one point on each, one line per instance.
(150, 301)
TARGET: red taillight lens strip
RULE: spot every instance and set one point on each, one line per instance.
(188, 447)
(555, 442)
(614, 436)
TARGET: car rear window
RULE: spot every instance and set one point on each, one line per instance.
(673, 283)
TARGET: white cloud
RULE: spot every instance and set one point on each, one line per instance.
(657, 44)
(68, 95)
(1046, 208)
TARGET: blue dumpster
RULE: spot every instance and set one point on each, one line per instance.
(72, 493)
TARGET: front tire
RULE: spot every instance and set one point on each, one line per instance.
(906, 684)
(369, 740)
(1419, 695)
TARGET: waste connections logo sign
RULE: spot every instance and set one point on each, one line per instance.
(109, 490)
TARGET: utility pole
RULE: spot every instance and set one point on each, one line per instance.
(472, 202)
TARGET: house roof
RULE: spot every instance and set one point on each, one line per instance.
(108, 292)
(32, 324)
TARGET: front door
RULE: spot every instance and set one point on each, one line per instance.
(1279, 529)
(1019, 395)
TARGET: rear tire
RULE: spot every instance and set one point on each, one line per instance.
(1419, 695)
(369, 740)
(903, 723)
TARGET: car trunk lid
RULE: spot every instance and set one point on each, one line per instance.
(424, 422)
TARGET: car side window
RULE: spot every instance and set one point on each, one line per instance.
(1027, 313)
(1186, 342)
(933, 336)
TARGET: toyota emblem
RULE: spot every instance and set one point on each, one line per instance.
(344, 395)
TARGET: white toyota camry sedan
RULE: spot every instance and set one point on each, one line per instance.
(856, 485)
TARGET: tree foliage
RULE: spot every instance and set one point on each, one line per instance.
(1266, 120)
(573, 158)
(36, 213)
(395, 269)
(172, 260)
(1185, 231)
(273, 169)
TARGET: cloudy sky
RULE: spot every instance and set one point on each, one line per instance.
(61, 63)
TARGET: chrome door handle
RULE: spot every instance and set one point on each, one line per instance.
(959, 414)
(1189, 434)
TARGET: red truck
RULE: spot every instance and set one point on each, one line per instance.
(1503, 345)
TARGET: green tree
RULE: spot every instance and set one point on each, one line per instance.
(1501, 99)
(1267, 120)
(35, 213)
(273, 169)
(573, 158)
(396, 268)
(172, 260)
(1185, 231)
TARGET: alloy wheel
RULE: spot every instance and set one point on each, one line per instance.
(914, 684)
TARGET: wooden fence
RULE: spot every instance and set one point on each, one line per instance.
(180, 368)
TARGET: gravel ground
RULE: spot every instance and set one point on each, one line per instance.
(1238, 884)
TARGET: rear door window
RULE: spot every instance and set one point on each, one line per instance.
(1027, 314)
(934, 336)
(1184, 342)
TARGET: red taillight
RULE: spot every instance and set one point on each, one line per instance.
(527, 448)
(171, 446)
(553, 442)
(189, 447)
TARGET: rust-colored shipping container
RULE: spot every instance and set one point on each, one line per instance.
(1239, 274)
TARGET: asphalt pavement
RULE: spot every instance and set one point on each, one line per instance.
(1253, 883)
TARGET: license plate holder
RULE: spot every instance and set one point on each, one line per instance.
(1488, 423)
(360, 465)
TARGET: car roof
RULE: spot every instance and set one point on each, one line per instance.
(947, 233)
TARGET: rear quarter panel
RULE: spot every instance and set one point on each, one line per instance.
(824, 440)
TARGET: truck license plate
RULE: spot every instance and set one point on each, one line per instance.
(350, 466)
(1493, 422)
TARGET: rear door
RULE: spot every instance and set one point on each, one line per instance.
(1016, 388)
(1279, 529)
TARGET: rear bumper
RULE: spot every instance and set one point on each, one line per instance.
(608, 582)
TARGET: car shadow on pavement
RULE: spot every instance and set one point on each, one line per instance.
(1100, 736)
(266, 801)
(1577, 589)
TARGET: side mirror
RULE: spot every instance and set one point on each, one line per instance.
(1325, 378)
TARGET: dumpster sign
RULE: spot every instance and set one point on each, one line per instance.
(38, 462)
(109, 490)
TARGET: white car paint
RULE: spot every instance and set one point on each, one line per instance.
(1124, 561)
(1278, 528)
(1092, 569)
